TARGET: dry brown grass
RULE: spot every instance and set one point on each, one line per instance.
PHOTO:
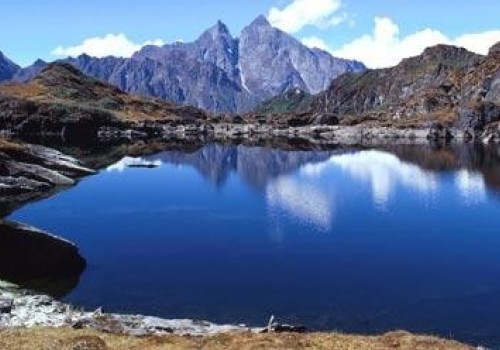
(7, 145)
(68, 339)
(24, 91)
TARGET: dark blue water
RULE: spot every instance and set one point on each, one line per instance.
(361, 241)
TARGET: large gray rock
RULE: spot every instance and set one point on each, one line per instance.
(38, 260)
(30, 171)
(217, 72)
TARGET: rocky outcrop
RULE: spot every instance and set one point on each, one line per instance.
(7, 68)
(29, 171)
(37, 260)
(217, 72)
(491, 134)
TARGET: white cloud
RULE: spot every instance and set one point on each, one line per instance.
(385, 47)
(108, 45)
(315, 42)
(302, 13)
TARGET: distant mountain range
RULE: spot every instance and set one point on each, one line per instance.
(218, 72)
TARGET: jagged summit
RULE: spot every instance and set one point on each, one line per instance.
(260, 21)
(219, 28)
(217, 72)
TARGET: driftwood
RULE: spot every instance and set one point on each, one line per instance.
(275, 327)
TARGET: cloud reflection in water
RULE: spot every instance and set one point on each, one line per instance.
(310, 199)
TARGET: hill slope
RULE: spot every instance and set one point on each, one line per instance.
(62, 100)
(445, 84)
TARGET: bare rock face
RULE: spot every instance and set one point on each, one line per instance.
(217, 72)
(29, 171)
(415, 86)
(7, 68)
(272, 62)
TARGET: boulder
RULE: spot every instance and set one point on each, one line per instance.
(325, 119)
(38, 260)
(5, 305)
(491, 134)
(439, 132)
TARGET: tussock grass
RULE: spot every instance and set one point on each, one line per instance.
(68, 339)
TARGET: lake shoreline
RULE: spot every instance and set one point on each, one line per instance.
(31, 171)
(30, 313)
(42, 311)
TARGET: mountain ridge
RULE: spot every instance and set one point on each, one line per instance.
(217, 72)
(445, 84)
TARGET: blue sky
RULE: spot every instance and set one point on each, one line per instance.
(377, 32)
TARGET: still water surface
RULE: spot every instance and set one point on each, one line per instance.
(361, 241)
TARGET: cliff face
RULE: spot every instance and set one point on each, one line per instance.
(217, 72)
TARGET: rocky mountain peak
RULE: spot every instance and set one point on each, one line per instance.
(260, 21)
(448, 54)
(219, 29)
(217, 72)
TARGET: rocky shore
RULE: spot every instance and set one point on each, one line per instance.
(29, 172)
(21, 308)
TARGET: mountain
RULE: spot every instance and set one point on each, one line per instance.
(403, 90)
(218, 72)
(62, 100)
(7, 68)
(445, 84)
